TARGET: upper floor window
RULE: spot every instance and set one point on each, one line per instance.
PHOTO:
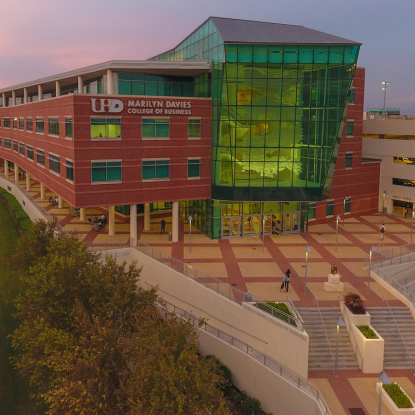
(15, 123)
(6, 122)
(349, 160)
(352, 94)
(15, 146)
(55, 163)
(194, 128)
(155, 128)
(106, 171)
(54, 126)
(40, 126)
(69, 170)
(68, 127)
(29, 124)
(156, 169)
(30, 154)
(40, 157)
(193, 167)
(22, 149)
(350, 128)
(105, 127)
(8, 143)
(21, 123)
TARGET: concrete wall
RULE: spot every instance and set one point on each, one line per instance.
(269, 335)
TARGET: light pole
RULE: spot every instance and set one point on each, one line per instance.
(383, 380)
(263, 232)
(340, 323)
(412, 223)
(307, 251)
(385, 88)
(371, 250)
(344, 207)
(383, 207)
(337, 228)
(190, 233)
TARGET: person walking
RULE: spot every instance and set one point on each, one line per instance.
(382, 231)
(163, 226)
(286, 279)
(406, 212)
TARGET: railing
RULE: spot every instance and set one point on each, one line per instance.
(105, 245)
(400, 334)
(324, 327)
(392, 256)
(215, 284)
(404, 291)
(262, 358)
(354, 342)
(293, 308)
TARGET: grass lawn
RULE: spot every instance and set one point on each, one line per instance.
(14, 391)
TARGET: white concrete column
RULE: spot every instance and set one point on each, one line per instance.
(3, 97)
(40, 92)
(111, 220)
(27, 181)
(147, 216)
(60, 202)
(80, 84)
(175, 222)
(82, 214)
(13, 98)
(42, 191)
(110, 82)
(133, 225)
(57, 88)
(16, 173)
(6, 167)
(25, 96)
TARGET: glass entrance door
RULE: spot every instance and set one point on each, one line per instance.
(292, 222)
(231, 227)
(251, 225)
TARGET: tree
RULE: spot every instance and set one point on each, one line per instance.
(92, 341)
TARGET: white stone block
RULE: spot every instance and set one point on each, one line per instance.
(333, 288)
(334, 278)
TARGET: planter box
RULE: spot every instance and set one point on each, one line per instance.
(371, 351)
(354, 319)
(387, 400)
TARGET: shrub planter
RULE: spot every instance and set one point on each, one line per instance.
(371, 350)
(354, 319)
(387, 400)
(283, 312)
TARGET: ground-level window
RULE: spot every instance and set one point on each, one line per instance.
(329, 208)
(22, 149)
(349, 160)
(347, 204)
(106, 171)
(105, 127)
(69, 170)
(40, 157)
(155, 128)
(55, 163)
(7, 143)
(311, 213)
(30, 154)
(156, 169)
(194, 128)
(54, 126)
(193, 168)
(68, 127)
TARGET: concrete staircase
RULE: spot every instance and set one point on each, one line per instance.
(382, 321)
(319, 355)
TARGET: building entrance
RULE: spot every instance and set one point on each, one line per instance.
(231, 227)
(291, 222)
(252, 225)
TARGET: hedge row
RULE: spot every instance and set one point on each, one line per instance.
(20, 215)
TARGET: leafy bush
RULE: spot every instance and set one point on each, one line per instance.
(398, 396)
(223, 371)
(278, 306)
(248, 405)
(367, 332)
(354, 302)
(19, 214)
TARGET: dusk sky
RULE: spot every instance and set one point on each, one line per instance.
(45, 37)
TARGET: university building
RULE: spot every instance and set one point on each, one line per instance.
(240, 125)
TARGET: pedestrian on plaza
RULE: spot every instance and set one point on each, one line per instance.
(286, 280)
(278, 227)
(163, 226)
(382, 231)
(406, 212)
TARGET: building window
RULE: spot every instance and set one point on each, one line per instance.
(155, 128)
(0, 142)
(311, 213)
(55, 163)
(329, 208)
(69, 170)
(40, 157)
(30, 154)
(106, 171)
(349, 160)
(347, 203)
(156, 169)
(21, 123)
(7, 143)
(6, 122)
(105, 127)
(352, 94)
(15, 146)
(193, 168)
(68, 127)
(404, 160)
(15, 123)
(194, 128)
(395, 181)
(40, 126)
(350, 128)
(54, 126)
(29, 124)
(22, 149)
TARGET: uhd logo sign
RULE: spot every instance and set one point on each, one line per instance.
(107, 105)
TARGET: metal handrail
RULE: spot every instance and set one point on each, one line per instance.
(359, 361)
(259, 356)
(294, 309)
(392, 255)
(384, 299)
(386, 277)
(324, 327)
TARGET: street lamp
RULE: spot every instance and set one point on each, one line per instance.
(383, 380)
(340, 323)
(371, 250)
(307, 251)
(190, 233)
(263, 232)
(337, 228)
(344, 207)
(385, 88)
(383, 207)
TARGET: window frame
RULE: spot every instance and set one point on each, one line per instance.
(15, 119)
(21, 123)
(54, 158)
(30, 151)
(7, 143)
(352, 96)
(30, 130)
(54, 126)
(39, 159)
(194, 137)
(106, 161)
(40, 121)
(106, 137)
(348, 160)
(67, 117)
(15, 146)
(347, 205)
(349, 123)
(6, 120)
(189, 164)
(166, 162)
(68, 168)
(22, 146)
(329, 208)
(144, 122)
